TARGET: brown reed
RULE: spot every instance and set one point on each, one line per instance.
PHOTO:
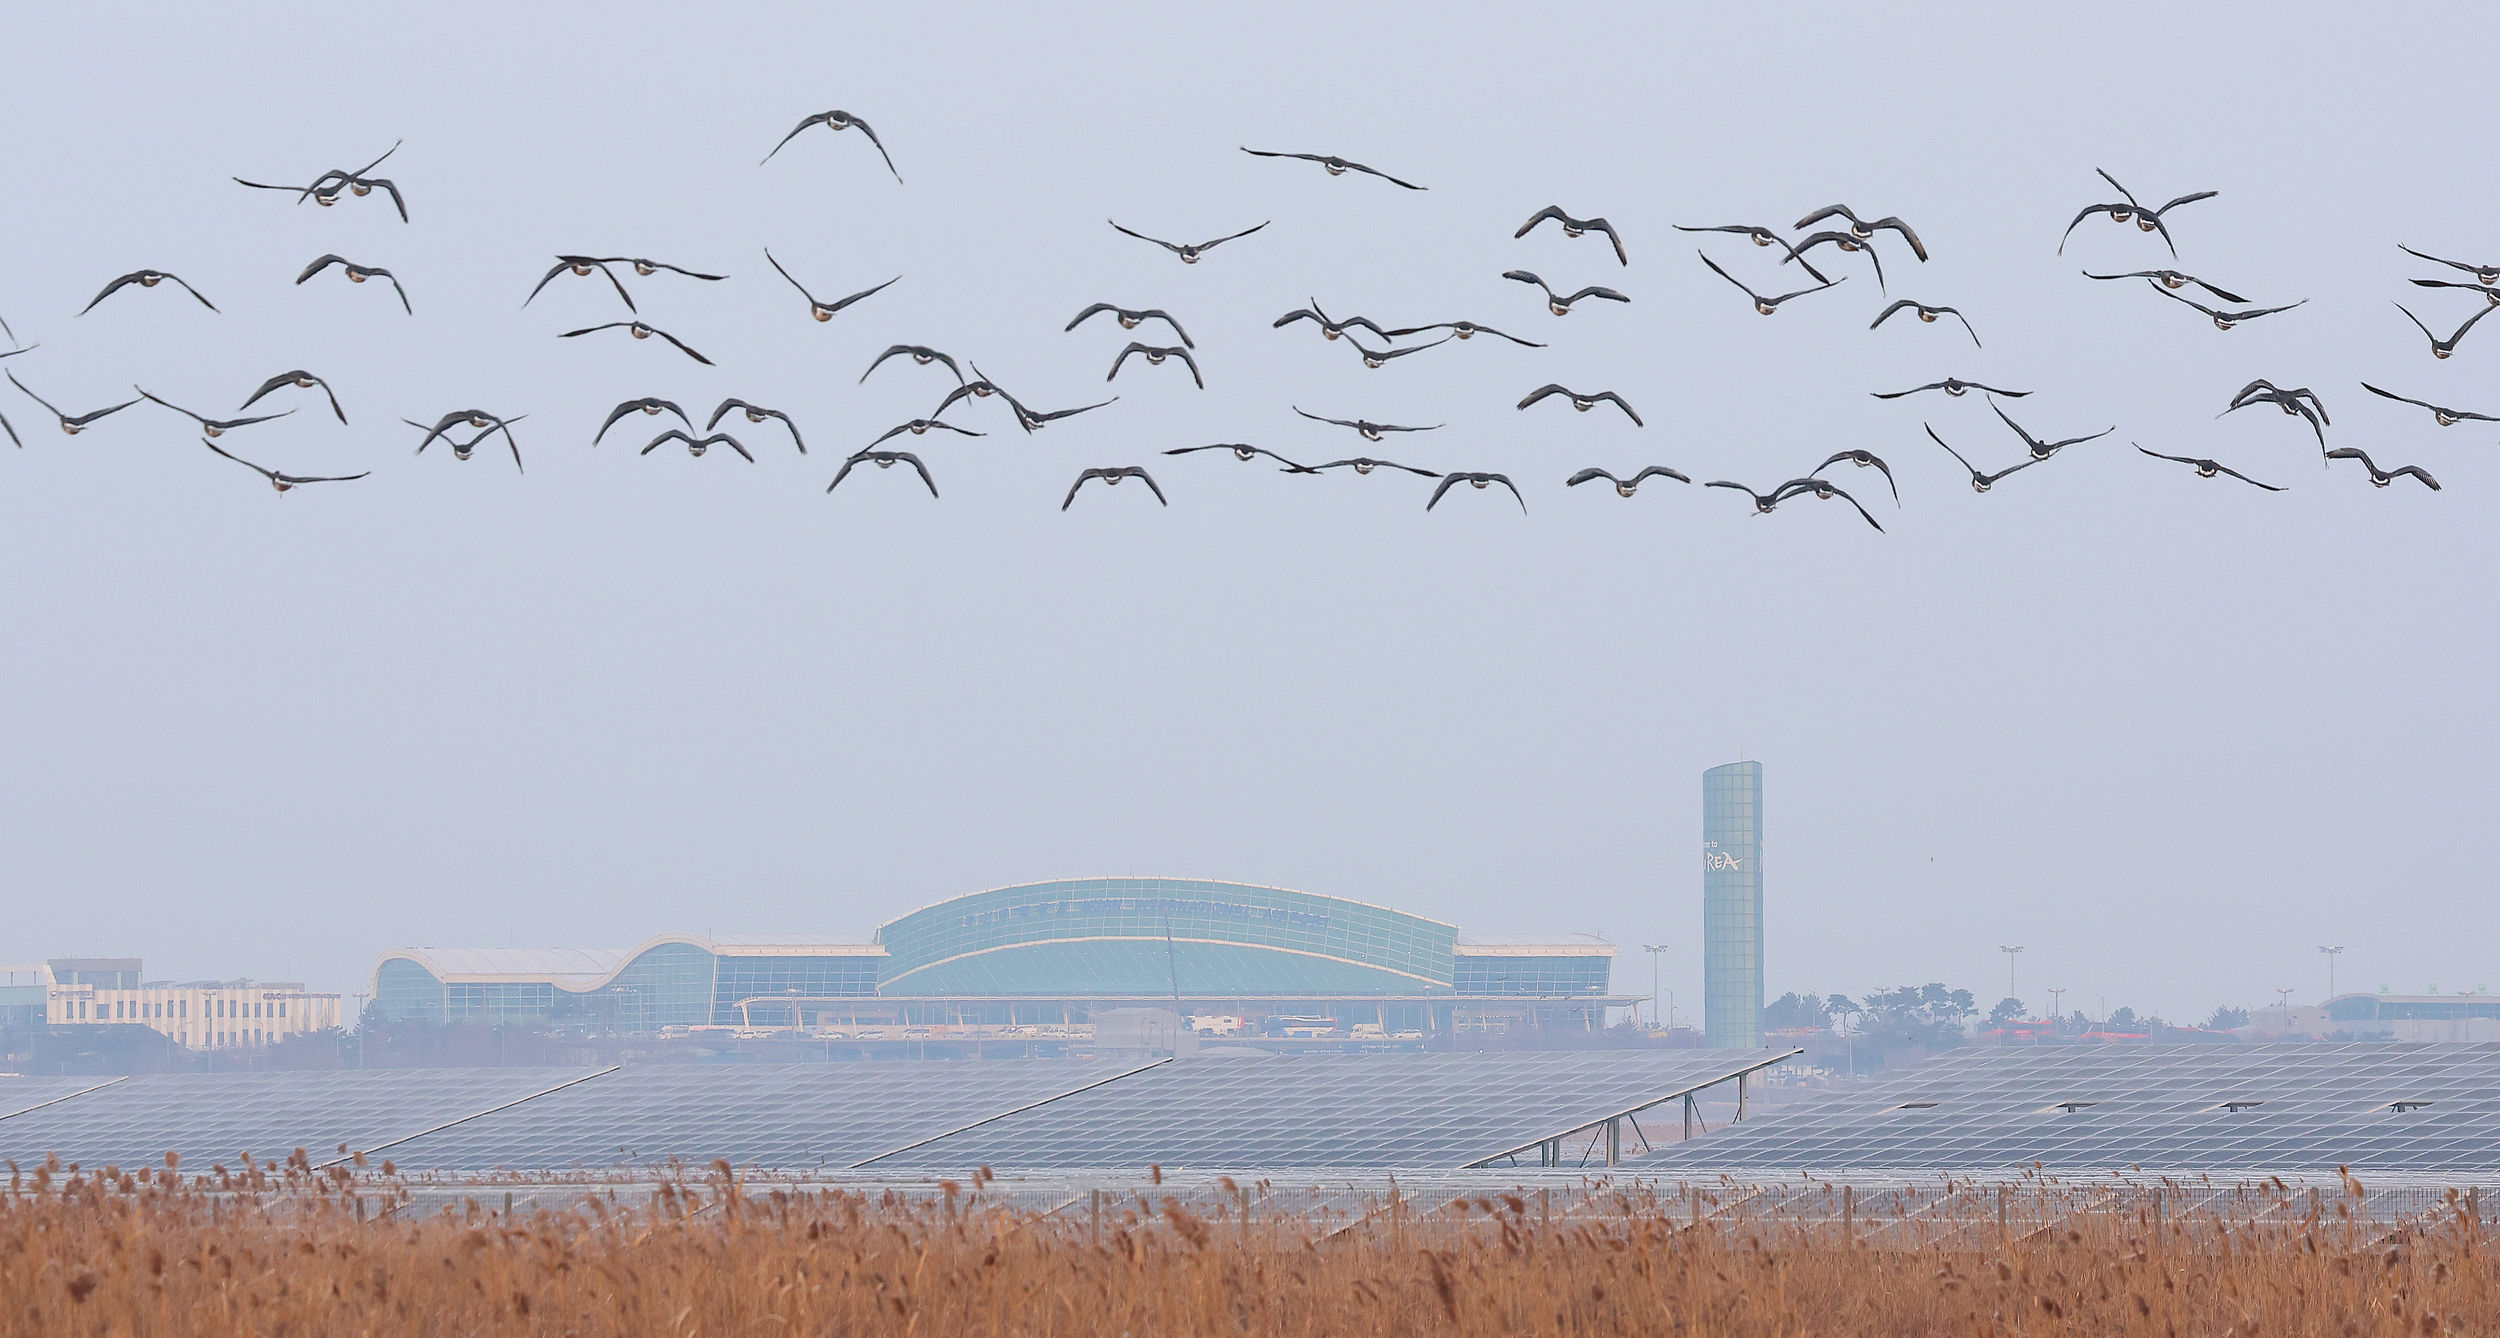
(290, 1250)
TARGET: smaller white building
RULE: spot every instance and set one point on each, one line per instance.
(197, 1014)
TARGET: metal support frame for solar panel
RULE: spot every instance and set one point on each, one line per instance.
(1549, 1148)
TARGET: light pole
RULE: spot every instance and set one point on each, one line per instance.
(2009, 966)
(2283, 994)
(2331, 954)
(1653, 949)
(2054, 995)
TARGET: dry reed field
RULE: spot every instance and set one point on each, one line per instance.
(291, 1250)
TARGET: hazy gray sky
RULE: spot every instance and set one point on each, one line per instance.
(2171, 734)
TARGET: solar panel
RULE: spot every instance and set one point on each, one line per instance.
(1319, 1111)
(783, 1116)
(210, 1118)
(2292, 1107)
(21, 1094)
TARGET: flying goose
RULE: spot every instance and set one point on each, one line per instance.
(1479, 481)
(824, 311)
(1575, 227)
(883, 460)
(357, 274)
(301, 380)
(1581, 402)
(1111, 479)
(1626, 487)
(1130, 320)
(283, 482)
(1336, 166)
(839, 120)
(1189, 254)
(1559, 305)
(2207, 468)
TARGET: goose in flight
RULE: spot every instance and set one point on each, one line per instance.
(1766, 503)
(2491, 295)
(2380, 478)
(1951, 385)
(145, 278)
(2042, 450)
(325, 189)
(1556, 303)
(2174, 280)
(1155, 357)
(1766, 305)
(214, 427)
(2149, 220)
(921, 354)
(1458, 330)
(1762, 237)
(485, 424)
(639, 331)
(1626, 487)
(696, 446)
(356, 274)
(1846, 241)
(1189, 254)
(1864, 231)
(1371, 431)
(651, 405)
(1329, 328)
(1478, 481)
(583, 266)
(2444, 417)
(1364, 464)
(1575, 227)
(71, 424)
(301, 380)
(283, 482)
(1111, 479)
(884, 460)
(2444, 348)
(2207, 468)
(1336, 166)
(1581, 402)
(1981, 482)
(2486, 275)
(1245, 452)
(755, 413)
(839, 120)
(2224, 320)
(922, 427)
(1863, 459)
(1382, 357)
(983, 388)
(2300, 403)
(1928, 315)
(824, 311)
(1130, 320)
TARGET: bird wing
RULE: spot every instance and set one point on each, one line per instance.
(323, 478)
(1333, 422)
(959, 431)
(594, 329)
(681, 345)
(1827, 211)
(2418, 472)
(1055, 415)
(768, 256)
(319, 265)
(390, 188)
(1133, 347)
(872, 138)
(109, 289)
(1678, 475)
(673, 434)
(794, 134)
(289, 378)
(1586, 474)
(1208, 246)
(1143, 238)
(2079, 218)
(845, 471)
(35, 397)
(2185, 199)
(13, 437)
(733, 445)
(1550, 211)
(2389, 394)
(1159, 314)
(1448, 482)
(1844, 496)
(1966, 326)
(2418, 325)
(403, 293)
(1622, 404)
(1601, 225)
(618, 413)
(1386, 177)
(2156, 287)
(2240, 476)
(2113, 185)
(691, 274)
(2469, 323)
(709, 423)
(1070, 499)
(2178, 459)
(226, 424)
(896, 430)
(143, 394)
(2028, 440)
(1504, 480)
(1897, 394)
(1724, 483)
(1886, 313)
(1100, 307)
(2452, 264)
(1184, 356)
(2353, 453)
(186, 287)
(1149, 480)
(549, 277)
(1609, 294)
(1948, 448)
(880, 362)
(263, 472)
(1542, 392)
(1917, 247)
(914, 461)
(1529, 276)
(1714, 268)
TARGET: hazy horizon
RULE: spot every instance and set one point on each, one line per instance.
(2170, 734)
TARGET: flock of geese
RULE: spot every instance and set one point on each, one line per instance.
(1835, 236)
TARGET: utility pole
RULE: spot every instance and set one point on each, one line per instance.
(2054, 996)
(2284, 993)
(2331, 954)
(2009, 967)
(1653, 949)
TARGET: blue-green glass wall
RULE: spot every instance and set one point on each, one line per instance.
(1731, 905)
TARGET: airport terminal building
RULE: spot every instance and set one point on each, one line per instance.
(1039, 954)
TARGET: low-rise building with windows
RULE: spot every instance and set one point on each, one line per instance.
(197, 1014)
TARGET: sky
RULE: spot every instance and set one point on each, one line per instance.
(2169, 734)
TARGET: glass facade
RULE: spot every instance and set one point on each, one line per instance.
(1516, 973)
(672, 982)
(1158, 936)
(1731, 905)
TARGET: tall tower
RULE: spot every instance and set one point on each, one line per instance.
(1731, 905)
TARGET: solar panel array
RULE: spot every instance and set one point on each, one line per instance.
(211, 1118)
(1247, 1113)
(2295, 1106)
(1237, 1112)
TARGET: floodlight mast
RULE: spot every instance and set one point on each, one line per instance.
(2331, 954)
(2009, 967)
(1653, 949)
